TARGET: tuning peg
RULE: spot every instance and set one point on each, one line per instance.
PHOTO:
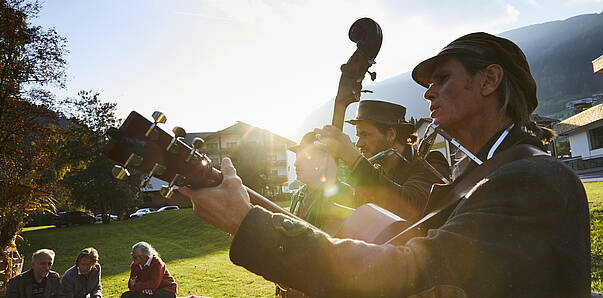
(158, 117)
(120, 172)
(145, 182)
(373, 75)
(197, 143)
(179, 133)
(155, 171)
(168, 190)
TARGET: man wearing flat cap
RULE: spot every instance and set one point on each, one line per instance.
(520, 226)
(396, 182)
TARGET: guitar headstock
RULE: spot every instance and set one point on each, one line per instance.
(142, 145)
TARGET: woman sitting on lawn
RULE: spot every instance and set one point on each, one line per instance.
(149, 277)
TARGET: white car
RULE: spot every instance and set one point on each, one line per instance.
(99, 217)
(164, 208)
(142, 211)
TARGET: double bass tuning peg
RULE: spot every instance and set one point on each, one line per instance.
(373, 75)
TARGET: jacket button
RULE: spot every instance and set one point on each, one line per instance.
(281, 249)
(287, 224)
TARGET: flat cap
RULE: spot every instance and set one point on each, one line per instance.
(492, 48)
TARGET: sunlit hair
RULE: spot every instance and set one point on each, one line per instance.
(145, 249)
(512, 99)
(40, 252)
(404, 134)
(89, 253)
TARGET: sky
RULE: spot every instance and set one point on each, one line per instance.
(209, 63)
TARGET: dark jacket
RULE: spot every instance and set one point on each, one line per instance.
(404, 190)
(523, 231)
(76, 285)
(20, 286)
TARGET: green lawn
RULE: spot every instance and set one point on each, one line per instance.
(594, 192)
(197, 254)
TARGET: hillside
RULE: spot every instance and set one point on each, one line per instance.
(559, 53)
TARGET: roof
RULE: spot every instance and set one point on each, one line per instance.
(598, 64)
(543, 121)
(243, 128)
(585, 120)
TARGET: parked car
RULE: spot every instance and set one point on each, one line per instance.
(99, 217)
(68, 218)
(164, 208)
(142, 212)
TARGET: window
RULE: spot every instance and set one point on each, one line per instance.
(231, 145)
(595, 137)
(212, 146)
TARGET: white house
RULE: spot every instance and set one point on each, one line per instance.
(585, 133)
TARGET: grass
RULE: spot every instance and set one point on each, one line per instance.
(594, 192)
(197, 254)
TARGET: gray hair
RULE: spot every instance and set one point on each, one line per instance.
(43, 251)
(145, 249)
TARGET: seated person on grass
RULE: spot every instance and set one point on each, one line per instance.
(37, 282)
(149, 277)
(84, 278)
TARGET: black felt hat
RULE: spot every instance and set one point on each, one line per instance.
(381, 112)
(307, 140)
(493, 48)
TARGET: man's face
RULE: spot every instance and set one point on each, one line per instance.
(370, 140)
(453, 95)
(41, 266)
(85, 265)
(310, 165)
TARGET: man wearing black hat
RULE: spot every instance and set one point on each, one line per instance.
(397, 182)
(520, 231)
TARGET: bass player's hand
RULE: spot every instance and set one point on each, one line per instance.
(223, 206)
(332, 140)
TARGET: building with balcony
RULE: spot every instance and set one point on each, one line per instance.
(252, 146)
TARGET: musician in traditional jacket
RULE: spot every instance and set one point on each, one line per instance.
(396, 182)
(520, 231)
(323, 199)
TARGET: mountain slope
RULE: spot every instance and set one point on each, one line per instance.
(559, 53)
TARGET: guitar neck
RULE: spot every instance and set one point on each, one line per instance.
(258, 199)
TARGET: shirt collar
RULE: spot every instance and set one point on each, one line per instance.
(148, 263)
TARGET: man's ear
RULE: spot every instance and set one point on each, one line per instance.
(493, 75)
(391, 135)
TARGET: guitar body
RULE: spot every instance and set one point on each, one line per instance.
(369, 223)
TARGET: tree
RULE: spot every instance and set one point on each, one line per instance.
(30, 57)
(251, 162)
(30, 135)
(91, 185)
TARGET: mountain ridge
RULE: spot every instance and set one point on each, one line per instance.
(559, 53)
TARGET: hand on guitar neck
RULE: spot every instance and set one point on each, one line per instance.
(223, 206)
